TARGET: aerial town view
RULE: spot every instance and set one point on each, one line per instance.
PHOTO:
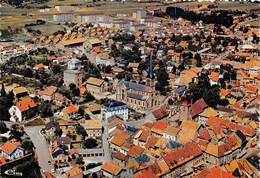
(129, 88)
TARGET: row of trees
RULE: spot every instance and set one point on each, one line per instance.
(221, 17)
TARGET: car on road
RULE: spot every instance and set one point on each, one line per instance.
(53, 170)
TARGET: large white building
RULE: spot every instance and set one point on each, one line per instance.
(109, 110)
(92, 17)
(63, 17)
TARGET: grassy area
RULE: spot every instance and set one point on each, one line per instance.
(35, 122)
(65, 3)
(48, 28)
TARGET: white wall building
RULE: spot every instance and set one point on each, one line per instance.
(114, 109)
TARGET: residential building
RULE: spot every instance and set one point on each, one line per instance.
(12, 150)
(181, 160)
(74, 64)
(47, 94)
(111, 170)
(93, 128)
(109, 110)
(73, 76)
(75, 172)
(95, 85)
(70, 112)
(20, 92)
(23, 109)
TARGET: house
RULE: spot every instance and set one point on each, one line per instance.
(114, 109)
(179, 161)
(73, 76)
(40, 67)
(111, 170)
(95, 85)
(137, 96)
(188, 131)
(75, 172)
(224, 152)
(23, 109)
(47, 94)
(208, 112)
(74, 64)
(119, 158)
(135, 151)
(171, 133)
(104, 59)
(93, 128)
(197, 107)
(92, 43)
(63, 141)
(117, 142)
(20, 92)
(58, 99)
(70, 112)
(215, 171)
(12, 150)
(50, 129)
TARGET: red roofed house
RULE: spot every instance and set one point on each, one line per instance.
(12, 150)
(160, 113)
(23, 109)
(70, 112)
(180, 160)
(222, 153)
(215, 172)
(111, 170)
(197, 107)
(74, 173)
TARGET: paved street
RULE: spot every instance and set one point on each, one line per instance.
(41, 146)
(105, 141)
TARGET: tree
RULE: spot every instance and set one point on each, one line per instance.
(198, 60)
(27, 145)
(81, 111)
(56, 69)
(81, 130)
(3, 128)
(45, 109)
(90, 143)
(162, 81)
(79, 160)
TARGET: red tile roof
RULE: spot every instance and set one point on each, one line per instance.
(71, 109)
(151, 141)
(25, 104)
(146, 173)
(204, 134)
(160, 113)
(186, 153)
(10, 147)
(215, 172)
(160, 125)
(220, 122)
(135, 151)
(197, 107)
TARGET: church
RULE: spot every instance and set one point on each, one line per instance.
(138, 96)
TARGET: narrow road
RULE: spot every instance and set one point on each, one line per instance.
(41, 146)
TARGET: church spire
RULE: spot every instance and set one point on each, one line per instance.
(150, 69)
